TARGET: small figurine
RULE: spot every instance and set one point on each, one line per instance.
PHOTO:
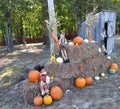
(63, 43)
(103, 48)
(44, 82)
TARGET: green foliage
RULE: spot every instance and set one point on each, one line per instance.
(27, 16)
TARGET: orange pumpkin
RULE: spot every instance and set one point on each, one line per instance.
(56, 93)
(78, 40)
(89, 80)
(34, 76)
(80, 82)
(114, 66)
(38, 101)
(47, 99)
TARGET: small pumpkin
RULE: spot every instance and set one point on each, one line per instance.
(56, 92)
(97, 78)
(59, 60)
(34, 76)
(114, 66)
(89, 80)
(80, 82)
(112, 72)
(38, 101)
(78, 40)
(102, 74)
(47, 99)
(71, 44)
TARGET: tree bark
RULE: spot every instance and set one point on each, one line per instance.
(9, 41)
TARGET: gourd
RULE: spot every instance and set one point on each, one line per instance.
(47, 99)
(56, 92)
(80, 82)
(78, 40)
(114, 66)
(89, 80)
(34, 76)
(112, 72)
(38, 101)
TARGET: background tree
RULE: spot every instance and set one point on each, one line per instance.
(27, 17)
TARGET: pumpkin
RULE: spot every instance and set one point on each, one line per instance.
(59, 60)
(56, 92)
(78, 40)
(112, 72)
(80, 82)
(89, 80)
(114, 66)
(34, 76)
(47, 99)
(71, 44)
(38, 101)
(102, 74)
(97, 78)
(86, 40)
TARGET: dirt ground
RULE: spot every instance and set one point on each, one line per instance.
(103, 94)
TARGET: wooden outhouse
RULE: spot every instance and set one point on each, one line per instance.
(106, 22)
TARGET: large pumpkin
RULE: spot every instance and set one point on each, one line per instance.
(80, 82)
(38, 101)
(34, 76)
(47, 99)
(114, 66)
(78, 40)
(56, 93)
(89, 80)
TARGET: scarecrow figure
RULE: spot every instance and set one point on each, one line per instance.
(63, 43)
(44, 82)
(91, 18)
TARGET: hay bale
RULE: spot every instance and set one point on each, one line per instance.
(93, 63)
(87, 55)
(30, 90)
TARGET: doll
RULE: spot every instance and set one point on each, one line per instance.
(44, 82)
(103, 41)
(63, 43)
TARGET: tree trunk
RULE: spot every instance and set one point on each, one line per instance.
(22, 32)
(9, 41)
(46, 32)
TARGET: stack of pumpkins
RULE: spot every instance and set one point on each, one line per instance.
(55, 91)
(113, 68)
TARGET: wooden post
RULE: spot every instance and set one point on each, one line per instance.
(52, 20)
